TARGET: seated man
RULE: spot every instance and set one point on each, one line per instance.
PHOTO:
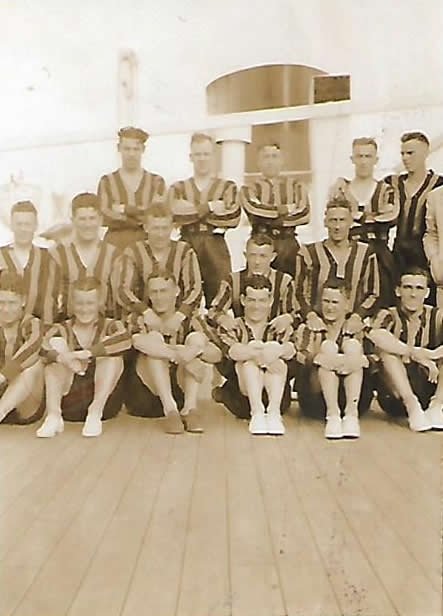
(329, 367)
(170, 364)
(409, 343)
(260, 355)
(84, 368)
(21, 371)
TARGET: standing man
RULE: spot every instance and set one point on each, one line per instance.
(204, 207)
(433, 240)
(85, 255)
(125, 194)
(276, 205)
(374, 210)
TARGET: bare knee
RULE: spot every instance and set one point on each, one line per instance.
(328, 347)
(352, 347)
(278, 366)
(196, 339)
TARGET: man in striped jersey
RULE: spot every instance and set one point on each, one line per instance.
(32, 263)
(375, 209)
(170, 364)
(330, 378)
(126, 194)
(84, 365)
(433, 240)
(158, 249)
(85, 255)
(260, 356)
(408, 340)
(21, 371)
(204, 207)
(276, 205)
(338, 257)
(413, 188)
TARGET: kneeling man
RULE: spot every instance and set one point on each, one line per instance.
(260, 355)
(171, 364)
(84, 364)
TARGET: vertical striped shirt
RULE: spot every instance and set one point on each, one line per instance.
(274, 204)
(139, 261)
(112, 189)
(243, 333)
(308, 342)
(71, 268)
(39, 279)
(315, 263)
(194, 323)
(191, 205)
(20, 346)
(425, 330)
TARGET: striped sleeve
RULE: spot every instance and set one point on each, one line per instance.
(106, 199)
(299, 206)
(28, 353)
(49, 301)
(228, 338)
(191, 283)
(387, 203)
(224, 192)
(384, 319)
(303, 281)
(114, 340)
(250, 200)
(185, 203)
(222, 302)
(130, 277)
(371, 288)
(307, 343)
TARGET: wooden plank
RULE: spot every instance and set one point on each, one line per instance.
(357, 587)
(398, 573)
(21, 565)
(156, 579)
(205, 585)
(295, 547)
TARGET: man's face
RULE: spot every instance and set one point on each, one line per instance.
(131, 152)
(259, 258)
(412, 292)
(338, 221)
(86, 306)
(159, 231)
(24, 226)
(11, 307)
(270, 161)
(364, 158)
(334, 305)
(202, 157)
(86, 222)
(257, 304)
(162, 294)
(413, 155)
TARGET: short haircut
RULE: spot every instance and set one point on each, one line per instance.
(337, 284)
(413, 270)
(364, 141)
(24, 207)
(158, 209)
(85, 200)
(86, 283)
(417, 135)
(160, 272)
(338, 201)
(9, 281)
(260, 239)
(268, 144)
(131, 132)
(258, 281)
(200, 137)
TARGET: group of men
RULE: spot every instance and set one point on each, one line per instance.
(91, 324)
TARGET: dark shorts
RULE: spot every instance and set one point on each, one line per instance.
(16, 418)
(287, 249)
(422, 388)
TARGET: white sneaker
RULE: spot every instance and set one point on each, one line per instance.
(275, 424)
(419, 421)
(258, 424)
(333, 428)
(92, 426)
(350, 426)
(434, 415)
(50, 427)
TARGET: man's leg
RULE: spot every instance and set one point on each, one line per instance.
(274, 380)
(25, 391)
(356, 361)
(58, 381)
(434, 412)
(108, 370)
(251, 382)
(329, 383)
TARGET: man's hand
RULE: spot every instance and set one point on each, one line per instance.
(217, 207)
(315, 323)
(420, 355)
(281, 323)
(172, 325)
(73, 363)
(151, 320)
(185, 353)
(270, 353)
(354, 325)
(227, 322)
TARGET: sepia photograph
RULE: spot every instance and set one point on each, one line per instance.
(221, 308)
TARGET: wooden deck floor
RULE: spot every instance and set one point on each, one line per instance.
(141, 523)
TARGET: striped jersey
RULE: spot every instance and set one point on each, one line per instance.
(243, 333)
(424, 330)
(191, 205)
(20, 346)
(195, 323)
(315, 263)
(71, 268)
(276, 203)
(411, 224)
(308, 342)
(228, 296)
(112, 190)
(39, 279)
(110, 338)
(139, 261)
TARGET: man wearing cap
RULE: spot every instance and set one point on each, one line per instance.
(276, 205)
(126, 193)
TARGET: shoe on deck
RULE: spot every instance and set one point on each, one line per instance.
(173, 424)
(434, 415)
(193, 421)
(419, 421)
(350, 426)
(258, 424)
(92, 427)
(275, 423)
(333, 428)
(50, 427)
